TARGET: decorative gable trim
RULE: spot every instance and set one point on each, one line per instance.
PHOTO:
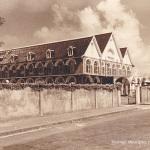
(129, 56)
(118, 50)
(97, 47)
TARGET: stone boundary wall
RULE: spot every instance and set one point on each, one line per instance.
(27, 102)
(145, 94)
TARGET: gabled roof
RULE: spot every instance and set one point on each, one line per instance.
(60, 48)
(123, 51)
(102, 40)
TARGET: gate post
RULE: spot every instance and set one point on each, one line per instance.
(137, 94)
(41, 112)
(119, 96)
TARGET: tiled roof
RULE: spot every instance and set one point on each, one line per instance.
(102, 40)
(60, 48)
(123, 51)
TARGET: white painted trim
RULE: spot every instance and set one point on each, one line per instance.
(97, 47)
(118, 49)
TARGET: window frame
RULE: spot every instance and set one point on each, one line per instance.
(88, 66)
(114, 72)
(109, 72)
(124, 70)
(70, 50)
(30, 56)
(96, 67)
(51, 54)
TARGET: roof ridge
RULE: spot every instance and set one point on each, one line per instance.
(56, 41)
(48, 43)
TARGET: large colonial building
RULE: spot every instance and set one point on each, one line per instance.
(94, 59)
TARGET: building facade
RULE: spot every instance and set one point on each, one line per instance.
(94, 59)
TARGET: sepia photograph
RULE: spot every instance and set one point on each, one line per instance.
(74, 75)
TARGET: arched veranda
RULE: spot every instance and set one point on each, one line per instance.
(125, 88)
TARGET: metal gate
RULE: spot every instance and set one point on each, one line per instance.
(129, 99)
(132, 97)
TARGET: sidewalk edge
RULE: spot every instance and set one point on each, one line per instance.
(9, 133)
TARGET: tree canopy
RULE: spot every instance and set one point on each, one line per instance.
(1, 23)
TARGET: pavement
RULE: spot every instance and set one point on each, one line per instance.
(15, 126)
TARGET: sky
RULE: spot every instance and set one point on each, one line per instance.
(33, 22)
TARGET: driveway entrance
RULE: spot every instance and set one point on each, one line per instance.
(128, 96)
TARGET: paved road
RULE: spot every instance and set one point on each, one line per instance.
(126, 130)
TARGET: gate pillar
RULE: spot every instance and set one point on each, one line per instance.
(137, 94)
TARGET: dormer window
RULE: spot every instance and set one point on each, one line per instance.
(30, 56)
(70, 50)
(50, 53)
(14, 58)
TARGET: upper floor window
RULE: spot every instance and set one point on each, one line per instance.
(40, 68)
(6, 72)
(14, 71)
(88, 66)
(119, 69)
(108, 69)
(128, 70)
(96, 67)
(49, 53)
(60, 67)
(22, 71)
(124, 70)
(30, 56)
(49, 68)
(113, 69)
(22, 68)
(72, 66)
(31, 68)
(70, 50)
(102, 67)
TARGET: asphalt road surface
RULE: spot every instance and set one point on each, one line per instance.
(127, 130)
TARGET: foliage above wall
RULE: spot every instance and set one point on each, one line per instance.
(68, 87)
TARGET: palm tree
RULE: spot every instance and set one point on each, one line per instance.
(1, 23)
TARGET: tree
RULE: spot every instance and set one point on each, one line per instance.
(1, 23)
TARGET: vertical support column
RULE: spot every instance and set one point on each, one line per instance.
(112, 97)
(40, 103)
(147, 94)
(95, 100)
(119, 97)
(137, 94)
(122, 87)
(72, 100)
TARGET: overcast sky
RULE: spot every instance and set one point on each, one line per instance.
(32, 22)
